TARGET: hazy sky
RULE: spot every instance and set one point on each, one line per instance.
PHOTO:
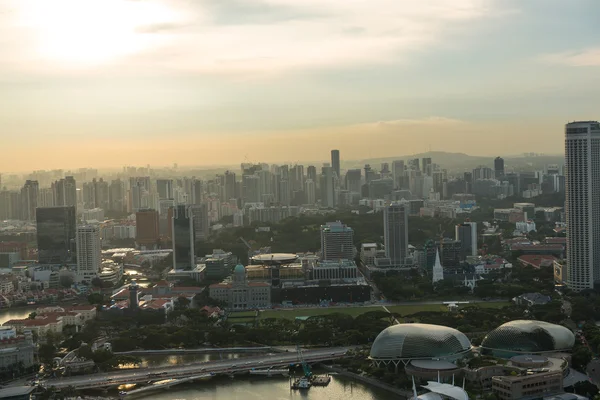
(113, 82)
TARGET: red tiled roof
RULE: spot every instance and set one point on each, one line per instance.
(537, 260)
(162, 284)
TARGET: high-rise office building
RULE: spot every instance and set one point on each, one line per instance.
(29, 200)
(89, 252)
(337, 242)
(354, 180)
(311, 173)
(147, 228)
(201, 222)
(398, 173)
(395, 232)
(328, 187)
(499, 167)
(582, 206)
(164, 187)
(183, 238)
(426, 166)
(335, 162)
(310, 190)
(56, 234)
(466, 233)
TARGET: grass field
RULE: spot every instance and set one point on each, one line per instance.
(309, 312)
(355, 311)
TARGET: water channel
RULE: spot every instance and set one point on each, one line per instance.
(240, 387)
(274, 388)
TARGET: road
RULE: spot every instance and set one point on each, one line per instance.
(228, 366)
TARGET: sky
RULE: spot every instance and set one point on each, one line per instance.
(105, 83)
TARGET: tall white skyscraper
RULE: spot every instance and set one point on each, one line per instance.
(395, 232)
(582, 181)
(89, 258)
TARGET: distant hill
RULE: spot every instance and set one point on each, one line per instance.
(462, 161)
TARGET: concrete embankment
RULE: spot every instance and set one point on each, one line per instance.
(369, 381)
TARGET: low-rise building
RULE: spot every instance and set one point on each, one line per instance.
(241, 294)
(537, 261)
(15, 349)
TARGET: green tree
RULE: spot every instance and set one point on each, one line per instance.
(96, 298)
(46, 353)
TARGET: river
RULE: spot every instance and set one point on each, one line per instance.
(261, 388)
(6, 314)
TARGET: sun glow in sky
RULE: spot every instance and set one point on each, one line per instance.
(91, 32)
(83, 82)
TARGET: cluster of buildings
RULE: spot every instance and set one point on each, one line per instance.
(519, 359)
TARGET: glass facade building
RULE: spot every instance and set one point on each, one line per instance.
(56, 229)
(529, 337)
(183, 238)
(419, 341)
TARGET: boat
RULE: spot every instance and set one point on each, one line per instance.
(122, 393)
(302, 384)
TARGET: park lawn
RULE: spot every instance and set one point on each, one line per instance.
(309, 312)
(242, 314)
(412, 309)
(494, 304)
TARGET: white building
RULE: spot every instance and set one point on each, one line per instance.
(89, 255)
(582, 164)
(525, 226)
(337, 242)
(438, 270)
(241, 294)
(395, 232)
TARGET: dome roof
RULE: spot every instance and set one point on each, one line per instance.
(239, 269)
(406, 341)
(526, 336)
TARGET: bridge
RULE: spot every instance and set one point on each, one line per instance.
(194, 370)
(206, 350)
(166, 384)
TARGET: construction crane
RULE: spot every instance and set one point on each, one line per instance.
(250, 251)
(305, 366)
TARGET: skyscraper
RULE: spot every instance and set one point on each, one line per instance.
(499, 167)
(395, 232)
(582, 206)
(354, 180)
(398, 173)
(337, 242)
(201, 222)
(65, 192)
(164, 187)
(466, 233)
(183, 238)
(88, 252)
(29, 199)
(426, 166)
(335, 162)
(147, 228)
(327, 187)
(116, 196)
(56, 234)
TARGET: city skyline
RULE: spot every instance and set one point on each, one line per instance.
(276, 80)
